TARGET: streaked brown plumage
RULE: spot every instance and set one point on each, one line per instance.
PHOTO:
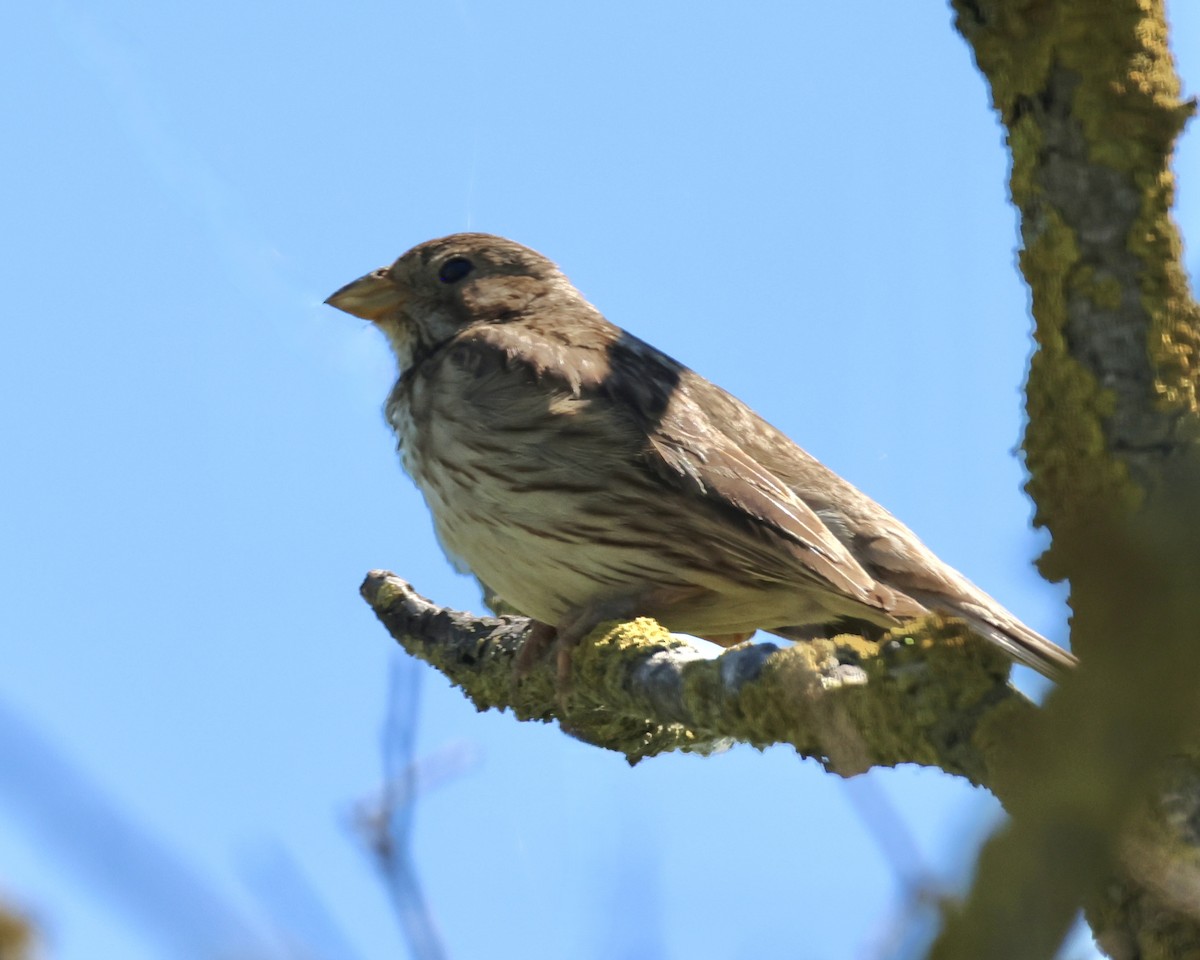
(583, 475)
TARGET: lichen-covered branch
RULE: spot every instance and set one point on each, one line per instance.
(933, 696)
(17, 939)
(1088, 94)
(1107, 799)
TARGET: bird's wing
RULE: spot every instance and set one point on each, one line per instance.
(697, 454)
(697, 458)
(886, 548)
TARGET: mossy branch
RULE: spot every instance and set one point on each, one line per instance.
(1090, 100)
(933, 695)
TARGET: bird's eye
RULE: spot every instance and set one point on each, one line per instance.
(455, 269)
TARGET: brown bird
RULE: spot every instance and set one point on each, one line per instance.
(584, 476)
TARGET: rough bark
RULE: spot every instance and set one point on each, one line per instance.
(932, 695)
(17, 939)
(1089, 98)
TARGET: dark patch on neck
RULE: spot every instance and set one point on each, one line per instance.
(641, 377)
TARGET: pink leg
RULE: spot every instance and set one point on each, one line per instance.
(568, 634)
(541, 638)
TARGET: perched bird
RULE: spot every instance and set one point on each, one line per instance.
(584, 476)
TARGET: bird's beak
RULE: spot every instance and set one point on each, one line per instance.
(372, 297)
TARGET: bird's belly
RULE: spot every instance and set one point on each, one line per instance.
(551, 554)
(553, 534)
(541, 550)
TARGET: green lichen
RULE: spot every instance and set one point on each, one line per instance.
(600, 664)
(1104, 292)
(1124, 97)
(910, 697)
(1066, 441)
(599, 661)
(388, 593)
(1131, 124)
(914, 680)
(1174, 332)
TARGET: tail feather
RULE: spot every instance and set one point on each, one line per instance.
(992, 622)
(1025, 646)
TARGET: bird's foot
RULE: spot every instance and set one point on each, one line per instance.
(576, 626)
(539, 641)
(563, 639)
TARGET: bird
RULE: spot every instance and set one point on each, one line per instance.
(585, 476)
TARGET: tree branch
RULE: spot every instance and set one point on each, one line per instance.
(1091, 101)
(1089, 95)
(933, 695)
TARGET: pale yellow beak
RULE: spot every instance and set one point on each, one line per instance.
(372, 297)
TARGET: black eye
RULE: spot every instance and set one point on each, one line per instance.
(455, 269)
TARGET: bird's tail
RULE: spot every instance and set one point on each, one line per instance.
(990, 620)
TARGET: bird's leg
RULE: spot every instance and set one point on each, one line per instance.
(538, 641)
(572, 631)
(656, 602)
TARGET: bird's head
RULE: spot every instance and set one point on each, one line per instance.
(441, 286)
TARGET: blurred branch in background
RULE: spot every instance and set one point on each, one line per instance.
(301, 917)
(17, 934)
(161, 895)
(915, 921)
(386, 825)
(70, 815)
(181, 912)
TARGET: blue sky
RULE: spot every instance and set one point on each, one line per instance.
(808, 211)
